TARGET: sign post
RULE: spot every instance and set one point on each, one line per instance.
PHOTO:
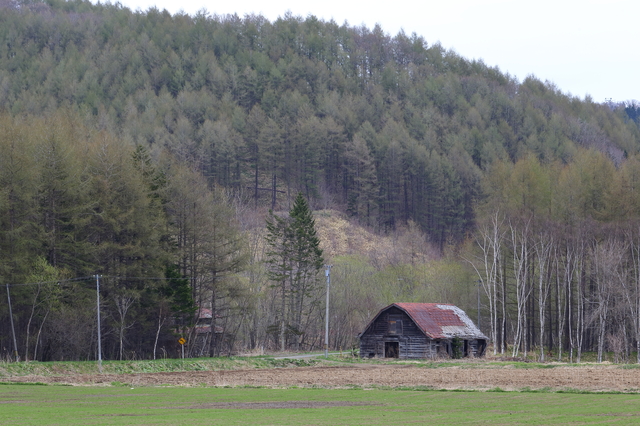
(182, 341)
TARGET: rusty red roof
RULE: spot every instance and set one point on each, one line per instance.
(439, 320)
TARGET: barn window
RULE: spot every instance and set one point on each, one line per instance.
(395, 326)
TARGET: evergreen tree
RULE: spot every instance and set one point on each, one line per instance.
(178, 291)
(294, 258)
(307, 262)
(209, 245)
(279, 266)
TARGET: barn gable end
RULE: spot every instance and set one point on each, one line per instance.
(421, 330)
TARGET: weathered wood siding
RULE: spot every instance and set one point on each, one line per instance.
(394, 334)
(476, 347)
(394, 326)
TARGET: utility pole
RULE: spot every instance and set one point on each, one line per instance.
(98, 315)
(326, 316)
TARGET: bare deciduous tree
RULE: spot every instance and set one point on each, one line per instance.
(488, 267)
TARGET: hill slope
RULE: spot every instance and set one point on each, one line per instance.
(385, 128)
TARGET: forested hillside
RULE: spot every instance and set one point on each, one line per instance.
(141, 144)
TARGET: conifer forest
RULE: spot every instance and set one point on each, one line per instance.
(203, 170)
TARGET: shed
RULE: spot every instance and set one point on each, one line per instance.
(421, 330)
(202, 339)
(203, 324)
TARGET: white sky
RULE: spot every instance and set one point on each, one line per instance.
(584, 47)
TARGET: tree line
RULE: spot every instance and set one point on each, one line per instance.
(77, 202)
(556, 254)
(148, 148)
(387, 128)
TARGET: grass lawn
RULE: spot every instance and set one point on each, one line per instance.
(121, 405)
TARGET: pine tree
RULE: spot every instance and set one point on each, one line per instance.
(178, 291)
(307, 262)
(295, 258)
(279, 261)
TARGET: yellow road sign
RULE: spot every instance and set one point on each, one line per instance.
(182, 341)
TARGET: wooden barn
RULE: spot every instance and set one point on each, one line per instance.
(421, 330)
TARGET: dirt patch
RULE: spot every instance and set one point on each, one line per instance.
(272, 405)
(590, 378)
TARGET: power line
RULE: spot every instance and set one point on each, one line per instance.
(142, 278)
(93, 277)
(52, 282)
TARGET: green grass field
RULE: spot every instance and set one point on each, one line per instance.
(121, 405)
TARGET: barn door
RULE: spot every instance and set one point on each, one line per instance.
(391, 349)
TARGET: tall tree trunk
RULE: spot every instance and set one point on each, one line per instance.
(213, 344)
(273, 192)
(543, 252)
(283, 305)
(155, 342)
(35, 349)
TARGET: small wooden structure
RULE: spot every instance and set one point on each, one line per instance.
(421, 330)
(203, 332)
